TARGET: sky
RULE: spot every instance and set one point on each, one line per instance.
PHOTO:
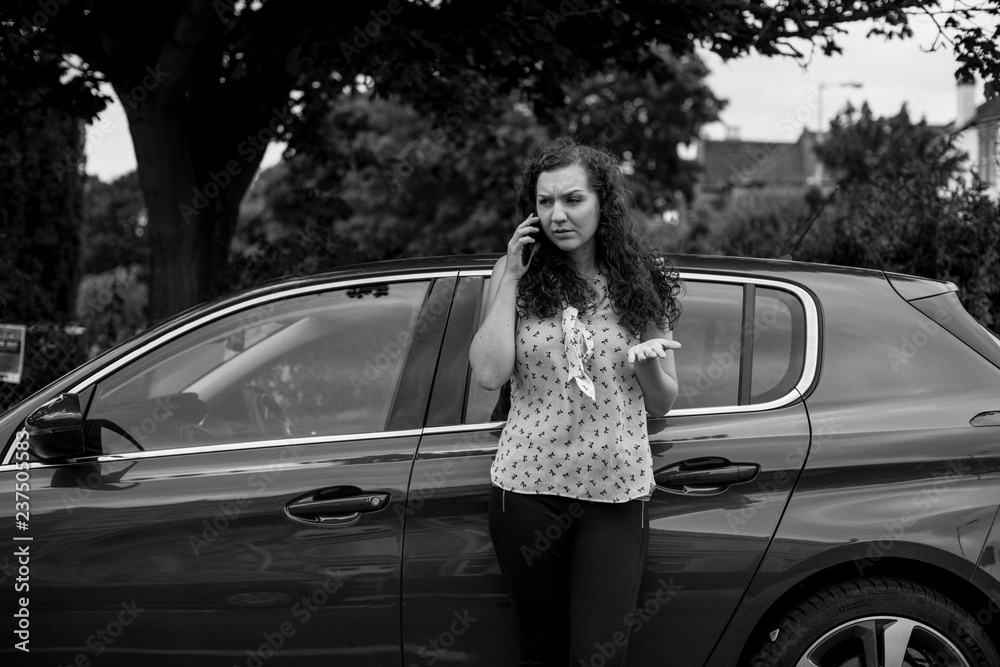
(769, 99)
(773, 99)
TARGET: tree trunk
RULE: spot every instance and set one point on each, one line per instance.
(166, 176)
(192, 200)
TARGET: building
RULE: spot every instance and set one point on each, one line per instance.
(986, 124)
(978, 130)
(731, 167)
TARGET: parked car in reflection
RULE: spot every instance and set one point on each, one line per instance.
(298, 474)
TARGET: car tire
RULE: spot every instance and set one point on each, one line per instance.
(876, 622)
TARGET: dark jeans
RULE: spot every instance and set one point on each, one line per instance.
(572, 569)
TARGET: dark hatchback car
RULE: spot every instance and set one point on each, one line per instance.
(299, 474)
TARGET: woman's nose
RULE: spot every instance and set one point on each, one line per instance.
(558, 214)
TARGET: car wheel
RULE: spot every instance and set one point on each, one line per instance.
(877, 622)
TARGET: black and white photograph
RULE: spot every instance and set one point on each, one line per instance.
(501, 333)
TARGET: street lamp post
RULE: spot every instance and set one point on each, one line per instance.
(818, 172)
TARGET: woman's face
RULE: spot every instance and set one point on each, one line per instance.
(568, 208)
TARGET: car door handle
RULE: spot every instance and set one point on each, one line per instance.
(335, 506)
(986, 419)
(709, 474)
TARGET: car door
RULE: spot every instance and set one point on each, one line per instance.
(241, 498)
(725, 458)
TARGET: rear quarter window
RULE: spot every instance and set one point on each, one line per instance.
(948, 312)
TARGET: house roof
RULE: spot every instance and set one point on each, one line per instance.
(987, 112)
(728, 163)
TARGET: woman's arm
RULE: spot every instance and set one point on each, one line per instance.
(653, 363)
(492, 350)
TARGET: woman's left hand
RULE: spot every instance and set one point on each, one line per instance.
(649, 350)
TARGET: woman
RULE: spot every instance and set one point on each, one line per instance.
(580, 325)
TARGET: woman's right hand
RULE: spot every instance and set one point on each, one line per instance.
(522, 238)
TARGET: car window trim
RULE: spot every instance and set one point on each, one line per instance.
(810, 361)
(744, 392)
(223, 447)
(338, 283)
(246, 305)
(416, 379)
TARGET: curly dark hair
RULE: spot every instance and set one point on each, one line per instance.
(643, 287)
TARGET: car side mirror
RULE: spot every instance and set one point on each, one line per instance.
(55, 430)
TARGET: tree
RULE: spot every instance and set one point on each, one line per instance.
(114, 225)
(206, 84)
(40, 215)
(902, 205)
(112, 296)
(377, 183)
(374, 184)
(762, 223)
(644, 118)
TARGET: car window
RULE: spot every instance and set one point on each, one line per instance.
(315, 364)
(947, 311)
(778, 344)
(708, 362)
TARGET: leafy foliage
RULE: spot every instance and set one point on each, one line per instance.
(114, 225)
(41, 184)
(751, 224)
(111, 306)
(382, 183)
(381, 180)
(905, 202)
(644, 118)
(904, 206)
(208, 83)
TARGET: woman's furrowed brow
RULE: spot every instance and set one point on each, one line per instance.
(544, 195)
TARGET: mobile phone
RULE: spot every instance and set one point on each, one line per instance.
(526, 250)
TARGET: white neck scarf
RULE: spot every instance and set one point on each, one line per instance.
(579, 349)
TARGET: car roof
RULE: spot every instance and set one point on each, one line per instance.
(801, 272)
(775, 268)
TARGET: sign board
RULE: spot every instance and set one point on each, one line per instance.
(11, 352)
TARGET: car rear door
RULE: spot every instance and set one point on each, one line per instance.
(200, 528)
(725, 458)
